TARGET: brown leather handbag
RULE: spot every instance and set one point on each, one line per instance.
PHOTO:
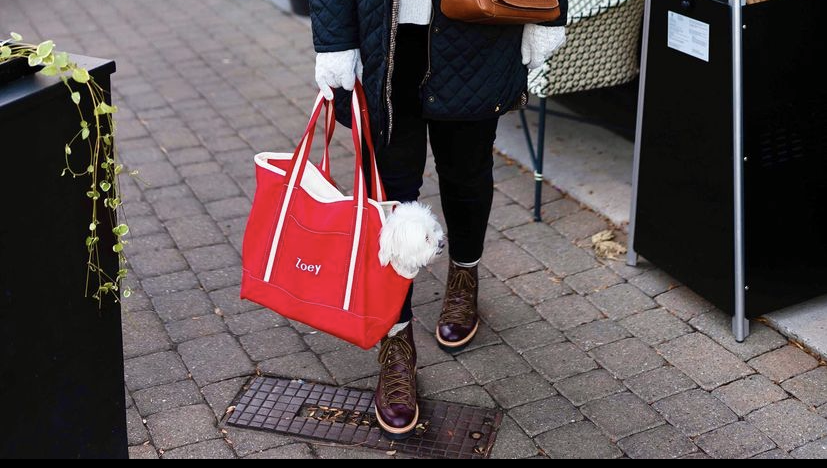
(501, 11)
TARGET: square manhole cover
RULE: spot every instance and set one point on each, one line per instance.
(346, 416)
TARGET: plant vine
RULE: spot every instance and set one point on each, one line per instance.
(101, 171)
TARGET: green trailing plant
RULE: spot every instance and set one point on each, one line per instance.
(102, 169)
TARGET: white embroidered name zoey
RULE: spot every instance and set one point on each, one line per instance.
(315, 269)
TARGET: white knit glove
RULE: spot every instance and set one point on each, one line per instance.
(539, 42)
(338, 70)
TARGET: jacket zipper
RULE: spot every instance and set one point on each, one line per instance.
(389, 71)
(428, 70)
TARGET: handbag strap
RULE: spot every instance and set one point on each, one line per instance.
(377, 189)
(329, 126)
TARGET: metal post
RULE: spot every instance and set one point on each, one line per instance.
(536, 156)
(631, 256)
(740, 324)
(538, 161)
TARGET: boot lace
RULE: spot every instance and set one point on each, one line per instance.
(460, 297)
(395, 358)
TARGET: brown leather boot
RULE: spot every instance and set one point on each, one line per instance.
(395, 399)
(458, 322)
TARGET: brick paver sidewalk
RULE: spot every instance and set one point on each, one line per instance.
(588, 357)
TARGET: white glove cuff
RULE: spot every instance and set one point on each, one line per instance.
(546, 39)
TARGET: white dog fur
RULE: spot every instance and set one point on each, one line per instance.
(410, 239)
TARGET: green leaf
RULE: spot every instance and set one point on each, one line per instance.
(5, 52)
(16, 37)
(76, 100)
(49, 60)
(104, 108)
(34, 60)
(105, 186)
(62, 60)
(121, 230)
(127, 293)
(118, 168)
(84, 133)
(50, 70)
(90, 168)
(68, 150)
(107, 140)
(117, 248)
(45, 48)
(93, 194)
(92, 226)
(80, 75)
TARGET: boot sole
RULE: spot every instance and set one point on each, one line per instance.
(455, 346)
(397, 433)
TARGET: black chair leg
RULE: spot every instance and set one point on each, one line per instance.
(536, 156)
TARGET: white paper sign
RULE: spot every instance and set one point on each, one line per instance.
(689, 36)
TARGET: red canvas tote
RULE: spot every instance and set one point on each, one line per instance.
(310, 252)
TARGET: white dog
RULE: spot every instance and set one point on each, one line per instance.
(410, 239)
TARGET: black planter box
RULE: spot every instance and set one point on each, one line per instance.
(15, 69)
(61, 361)
(746, 229)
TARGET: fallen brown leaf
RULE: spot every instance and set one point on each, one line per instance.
(606, 247)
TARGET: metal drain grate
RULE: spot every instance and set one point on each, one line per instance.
(345, 416)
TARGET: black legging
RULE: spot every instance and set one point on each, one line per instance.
(462, 153)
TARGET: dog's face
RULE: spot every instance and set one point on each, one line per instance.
(410, 239)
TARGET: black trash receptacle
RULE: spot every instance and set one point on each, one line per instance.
(738, 216)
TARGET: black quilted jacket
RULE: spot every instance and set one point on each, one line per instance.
(476, 70)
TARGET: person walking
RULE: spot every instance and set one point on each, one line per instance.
(425, 75)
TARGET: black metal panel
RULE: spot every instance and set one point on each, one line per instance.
(684, 220)
(346, 416)
(785, 141)
(61, 361)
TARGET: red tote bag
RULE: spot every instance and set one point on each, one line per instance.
(310, 252)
